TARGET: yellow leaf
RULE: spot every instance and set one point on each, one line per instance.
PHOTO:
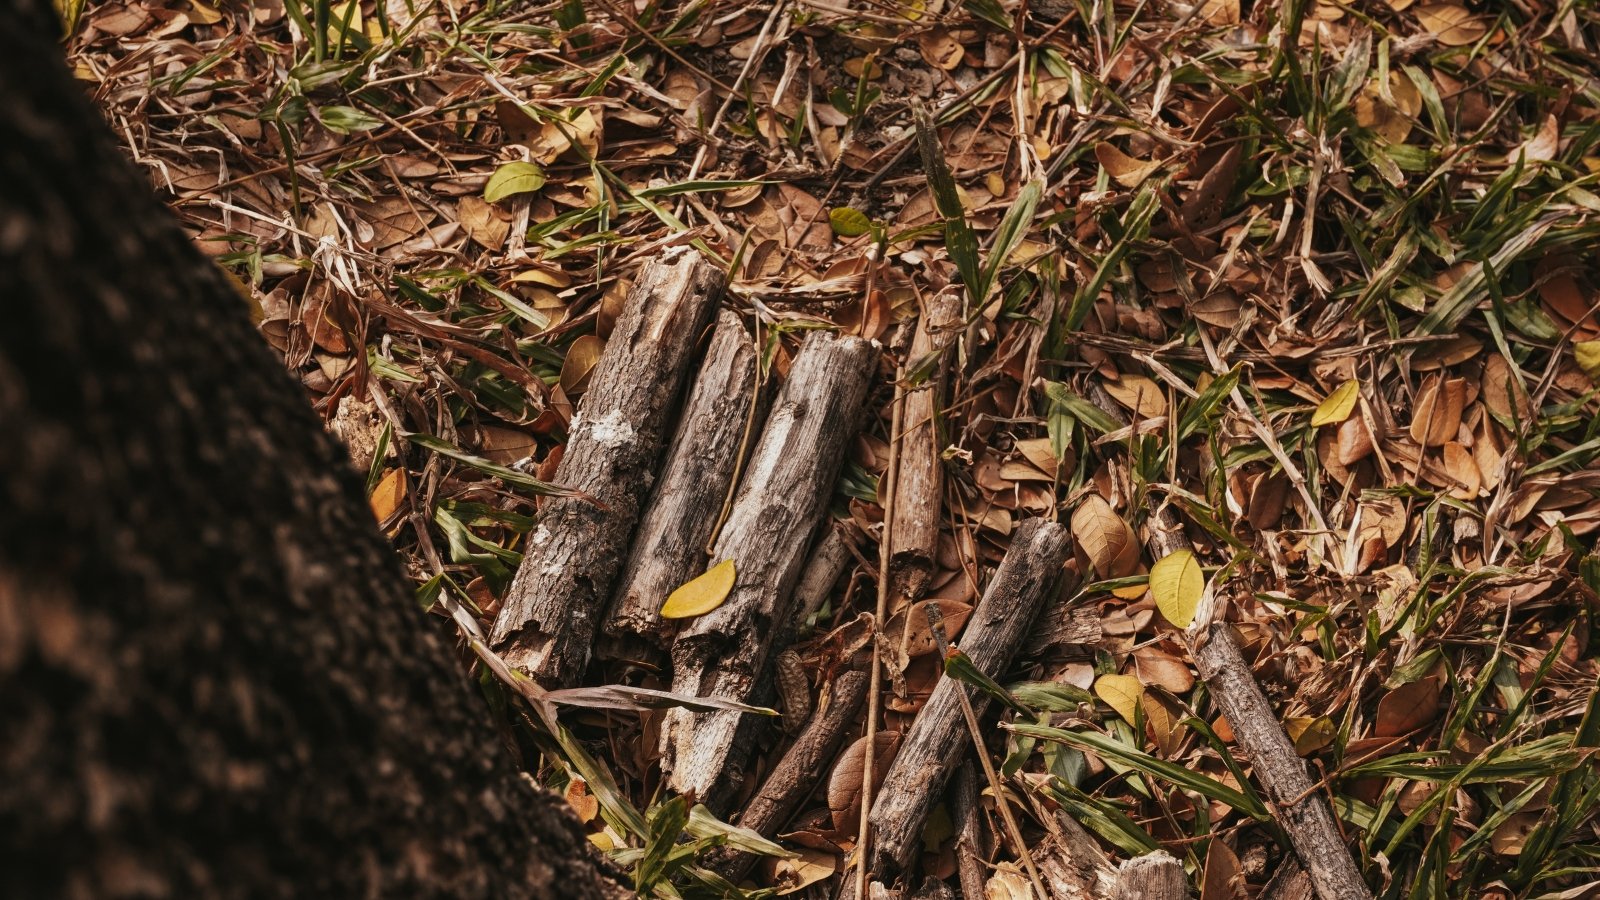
(1176, 582)
(389, 493)
(1339, 405)
(1588, 355)
(701, 594)
(1309, 733)
(1121, 693)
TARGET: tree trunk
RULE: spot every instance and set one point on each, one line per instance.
(213, 679)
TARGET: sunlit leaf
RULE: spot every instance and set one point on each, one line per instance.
(701, 594)
(1339, 405)
(1177, 584)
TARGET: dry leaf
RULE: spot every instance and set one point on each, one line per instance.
(810, 867)
(1177, 585)
(388, 495)
(1463, 470)
(844, 784)
(1103, 535)
(1124, 169)
(1450, 24)
(1407, 707)
(701, 594)
(579, 363)
(910, 627)
(1139, 394)
(1437, 415)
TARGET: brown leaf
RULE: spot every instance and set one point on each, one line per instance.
(1437, 415)
(580, 362)
(1103, 535)
(844, 785)
(1407, 708)
(910, 627)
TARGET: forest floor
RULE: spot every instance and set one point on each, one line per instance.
(1334, 261)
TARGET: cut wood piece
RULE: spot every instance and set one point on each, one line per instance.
(796, 775)
(829, 559)
(1154, 876)
(919, 487)
(1025, 581)
(780, 500)
(1301, 809)
(669, 547)
(571, 560)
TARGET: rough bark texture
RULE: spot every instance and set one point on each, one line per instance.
(214, 680)
(972, 852)
(1289, 882)
(547, 625)
(780, 500)
(828, 561)
(669, 546)
(1302, 810)
(1154, 876)
(919, 489)
(1026, 579)
(796, 775)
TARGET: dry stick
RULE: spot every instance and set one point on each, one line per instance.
(829, 558)
(936, 625)
(796, 775)
(1303, 812)
(919, 480)
(669, 546)
(1289, 882)
(783, 494)
(1024, 582)
(875, 695)
(970, 856)
(548, 621)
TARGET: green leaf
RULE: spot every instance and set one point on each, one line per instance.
(959, 241)
(511, 179)
(702, 824)
(1144, 762)
(1079, 408)
(848, 222)
(1008, 236)
(508, 475)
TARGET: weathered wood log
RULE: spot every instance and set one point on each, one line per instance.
(1025, 581)
(828, 561)
(1153, 876)
(972, 851)
(669, 546)
(919, 487)
(780, 499)
(1289, 882)
(571, 560)
(1301, 809)
(796, 775)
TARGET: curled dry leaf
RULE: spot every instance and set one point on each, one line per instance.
(1462, 470)
(1124, 169)
(844, 785)
(810, 866)
(580, 362)
(1158, 667)
(1437, 415)
(701, 594)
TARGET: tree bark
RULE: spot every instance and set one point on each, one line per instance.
(1153, 876)
(919, 489)
(1026, 579)
(781, 498)
(796, 775)
(669, 547)
(214, 680)
(547, 624)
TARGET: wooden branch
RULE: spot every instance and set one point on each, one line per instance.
(919, 487)
(669, 546)
(796, 775)
(1301, 809)
(1025, 581)
(1153, 876)
(828, 561)
(568, 565)
(781, 498)
(972, 857)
